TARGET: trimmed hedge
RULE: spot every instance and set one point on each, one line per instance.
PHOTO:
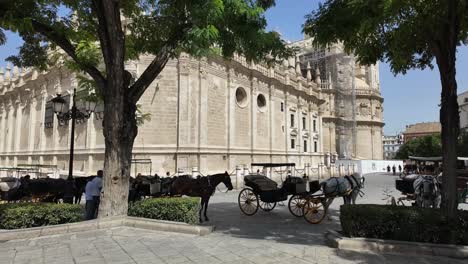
(171, 209)
(24, 215)
(403, 223)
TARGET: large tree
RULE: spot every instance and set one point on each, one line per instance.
(119, 30)
(407, 34)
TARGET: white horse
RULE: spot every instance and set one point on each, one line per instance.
(348, 187)
(427, 191)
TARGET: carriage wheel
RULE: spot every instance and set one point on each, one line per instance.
(296, 205)
(267, 206)
(314, 211)
(248, 202)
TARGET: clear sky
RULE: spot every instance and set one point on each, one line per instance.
(409, 98)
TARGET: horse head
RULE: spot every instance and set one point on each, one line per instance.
(227, 181)
(360, 180)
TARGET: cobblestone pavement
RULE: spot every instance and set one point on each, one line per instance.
(128, 245)
(273, 237)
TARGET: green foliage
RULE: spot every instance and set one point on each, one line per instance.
(171, 209)
(427, 146)
(24, 215)
(463, 144)
(196, 27)
(404, 33)
(403, 223)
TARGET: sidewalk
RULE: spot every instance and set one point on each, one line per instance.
(129, 245)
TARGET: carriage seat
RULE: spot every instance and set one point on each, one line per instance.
(260, 182)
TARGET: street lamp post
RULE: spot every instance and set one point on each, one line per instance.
(73, 114)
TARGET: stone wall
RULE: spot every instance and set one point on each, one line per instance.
(198, 117)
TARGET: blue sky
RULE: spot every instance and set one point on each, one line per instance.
(409, 98)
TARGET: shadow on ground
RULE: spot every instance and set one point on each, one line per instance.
(278, 225)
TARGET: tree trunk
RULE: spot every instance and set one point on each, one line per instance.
(120, 130)
(450, 120)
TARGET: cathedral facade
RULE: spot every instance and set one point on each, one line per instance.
(209, 113)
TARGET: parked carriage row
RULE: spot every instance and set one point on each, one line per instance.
(264, 193)
(424, 189)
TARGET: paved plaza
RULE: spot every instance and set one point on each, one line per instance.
(274, 237)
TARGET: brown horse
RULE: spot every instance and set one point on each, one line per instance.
(202, 187)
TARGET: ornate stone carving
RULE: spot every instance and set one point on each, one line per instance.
(364, 109)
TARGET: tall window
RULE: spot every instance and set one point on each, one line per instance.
(292, 120)
(293, 143)
(305, 145)
(314, 124)
(315, 146)
(282, 107)
(304, 123)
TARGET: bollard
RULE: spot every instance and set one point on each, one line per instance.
(246, 170)
(195, 172)
(239, 170)
(180, 171)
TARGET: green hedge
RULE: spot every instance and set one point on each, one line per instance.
(403, 223)
(24, 215)
(172, 209)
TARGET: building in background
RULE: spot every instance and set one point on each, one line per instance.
(421, 129)
(209, 113)
(463, 106)
(391, 145)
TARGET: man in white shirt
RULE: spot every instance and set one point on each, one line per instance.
(90, 205)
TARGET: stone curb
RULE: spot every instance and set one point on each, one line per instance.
(108, 222)
(381, 246)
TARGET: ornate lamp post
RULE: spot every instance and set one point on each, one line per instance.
(81, 112)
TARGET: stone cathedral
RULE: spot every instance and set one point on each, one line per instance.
(209, 113)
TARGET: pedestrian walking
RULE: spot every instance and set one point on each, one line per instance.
(388, 168)
(399, 168)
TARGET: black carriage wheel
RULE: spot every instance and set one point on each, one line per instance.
(314, 211)
(248, 202)
(296, 204)
(267, 206)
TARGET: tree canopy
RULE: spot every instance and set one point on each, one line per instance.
(163, 28)
(405, 33)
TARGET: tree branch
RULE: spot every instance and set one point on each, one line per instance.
(151, 72)
(66, 45)
(158, 63)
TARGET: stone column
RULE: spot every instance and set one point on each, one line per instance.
(231, 90)
(253, 115)
(10, 126)
(32, 121)
(42, 128)
(203, 107)
(271, 122)
(3, 112)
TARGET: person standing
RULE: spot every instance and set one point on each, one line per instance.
(93, 195)
(388, 168)
(95, 189)
(394, 170)
(90, 204)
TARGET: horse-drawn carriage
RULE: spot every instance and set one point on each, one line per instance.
(312, 204)
(423, 190)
